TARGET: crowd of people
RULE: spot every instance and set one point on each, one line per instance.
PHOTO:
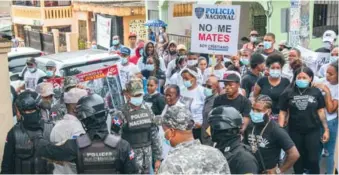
(262, 110)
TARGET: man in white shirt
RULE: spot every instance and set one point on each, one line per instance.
(126, 69)
(68, 128)
(31, 74)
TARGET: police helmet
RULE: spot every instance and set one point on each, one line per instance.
(224, 118)
(91, 106)
(27, 100)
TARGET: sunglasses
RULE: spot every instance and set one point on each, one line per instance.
(29, 64)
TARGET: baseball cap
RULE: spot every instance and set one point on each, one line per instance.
(125, 51)
(70, 82)
(50, 64)
(31, 60)
(135, 86)
(45, 89)
(179, 118)
(132, 34)
(181, 47)
(74, 95)
(230, 78)
(329, 36)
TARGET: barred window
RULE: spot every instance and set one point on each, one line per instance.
(325, 17)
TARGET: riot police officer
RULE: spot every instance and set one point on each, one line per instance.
(20, 155)
(225, 122)
(97, 151)
(138, 126)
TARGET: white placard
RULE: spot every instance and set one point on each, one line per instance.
(215, 29)
(104, 31)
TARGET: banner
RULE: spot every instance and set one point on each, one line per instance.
(104, 31)
(215, 29)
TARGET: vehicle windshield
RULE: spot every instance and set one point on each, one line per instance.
(82, 68)
(16, 64)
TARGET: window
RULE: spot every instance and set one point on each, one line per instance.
(325, 17)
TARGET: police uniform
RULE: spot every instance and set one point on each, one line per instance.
(139, 129)
(190, 157)
(97, 151)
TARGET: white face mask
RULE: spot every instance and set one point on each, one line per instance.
(192, 62)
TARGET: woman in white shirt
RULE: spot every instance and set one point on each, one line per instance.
(218, 70)
(193, 94)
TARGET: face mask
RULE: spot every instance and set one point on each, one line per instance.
(257, 117)
(327, 45)
(187, 84)
(302, 83)
(161, 31)
(31, 120)
(244, 61)
(172, 52)
(94, 47)
(208, 92)
(267, 45)
(333, 59)
(149, 67)
(115, 42)
(253, 39)
(192, 62)
(167, 142)
(137, 101)
(141, 52)
(275, 73)
(31, 70)
(49, 73)
(124, 60)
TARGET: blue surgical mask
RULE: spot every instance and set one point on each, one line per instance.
(302, 83)
(124, 60)
(94, 47)
(257, 117)
(244, 61)
(31, 70)
(208, 92)
(333, 59)
(267, 45)
(137, 101)
(192, 62)
(275, 73)
(327, 45)
(49, 73)
(253, 39)
(187, 84)
(141, 51)
(149, 67)
(115, 42)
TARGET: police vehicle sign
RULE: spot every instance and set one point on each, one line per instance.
(215, 29)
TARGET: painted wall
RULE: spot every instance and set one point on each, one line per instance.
(245, 19)
(274, 23)
(177, 25)
(127, 21)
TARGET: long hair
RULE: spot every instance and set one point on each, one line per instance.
(292, 88)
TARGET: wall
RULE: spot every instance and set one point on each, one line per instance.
(177, 25)
(5, 7)
(127, 21)
(274, 23)
(77, 15)
(245, 19)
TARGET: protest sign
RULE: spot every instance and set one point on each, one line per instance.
(309, 57)
(215, 29)
(104, 31)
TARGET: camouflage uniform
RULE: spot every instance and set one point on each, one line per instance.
(190, 157)
(143, 155)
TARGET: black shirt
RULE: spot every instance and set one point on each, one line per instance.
(273, 92)
(241, 103)
(155, 102)
(46, 78)
(302, 108)
(270, 143)
(248, 81)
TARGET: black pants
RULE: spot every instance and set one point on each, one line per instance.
(308, 145)
(197, 133)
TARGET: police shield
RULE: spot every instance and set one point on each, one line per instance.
(199, 12)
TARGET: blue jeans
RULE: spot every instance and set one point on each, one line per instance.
(330, 145)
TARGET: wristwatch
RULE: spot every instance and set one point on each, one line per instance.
(277, 170)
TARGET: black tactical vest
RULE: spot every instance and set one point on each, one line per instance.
(137, 131)
(97, 156)
(26, 161)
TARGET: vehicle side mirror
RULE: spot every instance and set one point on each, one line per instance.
(14, 77)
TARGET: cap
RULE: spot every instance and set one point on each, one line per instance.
(45, 89)
(74, 95)
(132, 34)
(31, 60)
(50, 64)
(70, 82)
(177, 117)
(230, 78)
(125, 50)
(329, 36)
(181, 47)
(135, 86)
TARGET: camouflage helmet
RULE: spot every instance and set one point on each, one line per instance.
(135, 86)
(70, 82)
(179, 118)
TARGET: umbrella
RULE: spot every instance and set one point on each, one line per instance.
(155, 23)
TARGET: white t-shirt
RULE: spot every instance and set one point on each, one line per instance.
(198, 99)
(125, 73)
(212, 71)
(287, 72)
(31, 79)
(335, 96)
(142, 66)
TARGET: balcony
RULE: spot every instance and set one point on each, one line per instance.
(42, 16)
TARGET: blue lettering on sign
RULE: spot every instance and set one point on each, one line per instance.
(220, 11)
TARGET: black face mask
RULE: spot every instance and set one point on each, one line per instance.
(32, 120)
(172, 52)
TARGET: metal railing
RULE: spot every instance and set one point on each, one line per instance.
(325, 17)
(36, 12)
(180, 39)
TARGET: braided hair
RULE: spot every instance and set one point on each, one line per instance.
(265, 99)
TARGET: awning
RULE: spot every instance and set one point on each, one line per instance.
(114, 9)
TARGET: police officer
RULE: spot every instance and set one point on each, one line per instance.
(97, 151)
(225, 122)
(20, 155)
(137, 123)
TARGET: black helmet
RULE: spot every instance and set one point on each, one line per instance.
(91, 106)
(224, 118)
(27, 100)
